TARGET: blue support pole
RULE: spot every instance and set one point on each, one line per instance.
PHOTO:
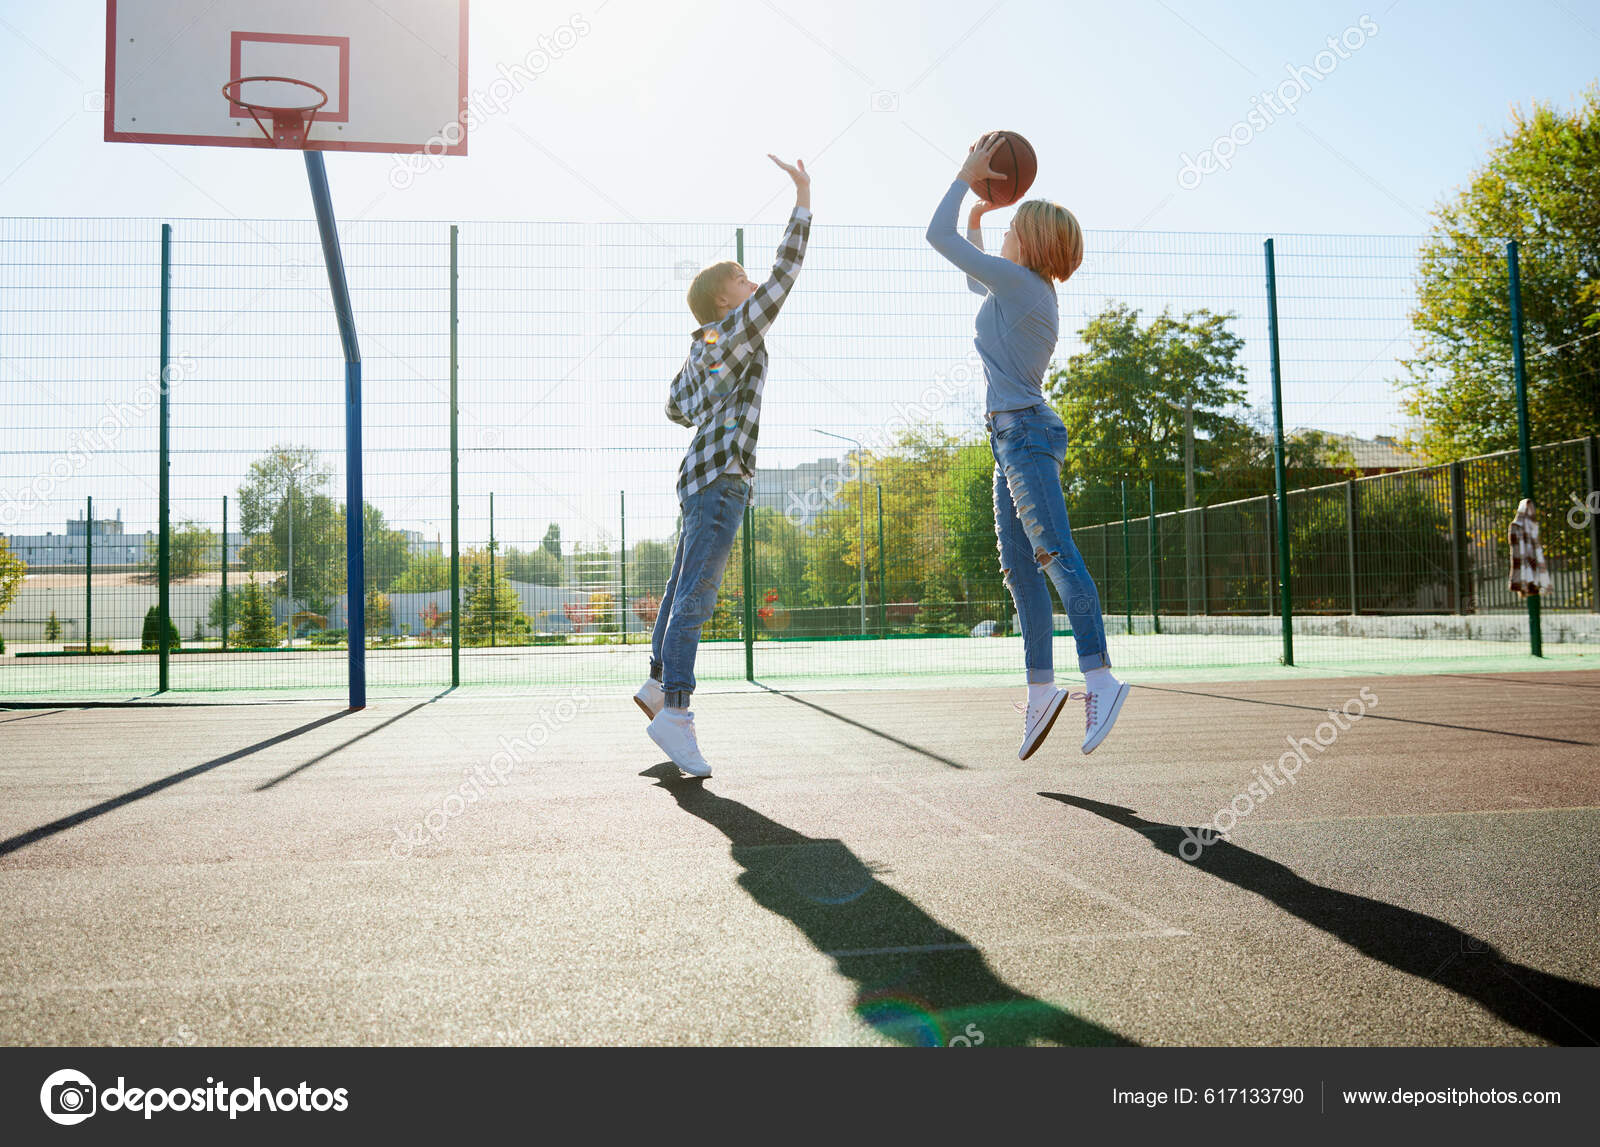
(355, 548)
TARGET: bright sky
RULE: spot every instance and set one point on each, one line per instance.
(659, 116)
(664, 111)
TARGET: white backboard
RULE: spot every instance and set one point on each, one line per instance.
(395, 71)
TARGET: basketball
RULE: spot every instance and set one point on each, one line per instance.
(1014, 158)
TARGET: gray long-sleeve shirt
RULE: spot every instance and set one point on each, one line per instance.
(1018, 323)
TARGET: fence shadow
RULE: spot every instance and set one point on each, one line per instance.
(1553, 1008)
(917, 982)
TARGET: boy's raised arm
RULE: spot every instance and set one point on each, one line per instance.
(743, 328)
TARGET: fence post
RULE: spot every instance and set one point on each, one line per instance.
(1155, 611)
(1524, 451)
(1350, 540)
(1458, 533)
(493, 595)
(1127, 560)
(1279, 462)
(1205, 575)
(88, 580)
(163, 489)
(883, 627)
(224, 572)
(1591, 465)
(622, 624)
(455, 480)
(749, 566)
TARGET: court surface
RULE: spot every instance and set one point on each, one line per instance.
(866, 866)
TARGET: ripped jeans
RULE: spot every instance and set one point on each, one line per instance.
(1036, 548)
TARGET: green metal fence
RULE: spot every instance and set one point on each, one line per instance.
(521, 516)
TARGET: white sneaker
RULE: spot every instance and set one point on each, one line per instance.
(673, 733)
(1101, 707)
(652, 695)
(1037, 721)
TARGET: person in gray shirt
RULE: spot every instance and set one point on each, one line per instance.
(1017, 328)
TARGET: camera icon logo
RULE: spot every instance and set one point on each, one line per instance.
(94, 101)
(68, 1097)
(884, 101)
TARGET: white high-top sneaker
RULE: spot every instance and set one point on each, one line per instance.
(1101, 707)
(1037, 721)
(651, 697)
(673, 732)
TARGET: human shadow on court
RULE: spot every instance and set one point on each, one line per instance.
(916, 981)
(1550, 1007)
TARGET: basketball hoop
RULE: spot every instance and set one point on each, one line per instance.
(290, 123)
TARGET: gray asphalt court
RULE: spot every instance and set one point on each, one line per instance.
(1401, 860)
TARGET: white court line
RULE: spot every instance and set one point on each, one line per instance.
(1031, 861)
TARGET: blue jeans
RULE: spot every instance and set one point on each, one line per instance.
(1036, 548)
(711, 518)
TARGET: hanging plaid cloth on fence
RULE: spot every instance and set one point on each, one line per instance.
(1528, 572)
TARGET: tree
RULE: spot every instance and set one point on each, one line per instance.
(223, 610)
(427, 573)
(492, 609)
(256, 629)
(552, 541)
(52, 627)
(966, 511)
(150, 638)
(282, 498)
(1122, 400)
(535, 567)
(380, 616)
(190, 547)
(12, 570)
(1540, 185)
(386, 552)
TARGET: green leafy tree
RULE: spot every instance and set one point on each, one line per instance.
(223, 610)
(427, 573)
(12, 570)
(380, 615)
(1122, 400)
(190, 547)
(150, 638)
(492, 606)
(1539, 185)
(255, 628)
(52, 627)
(966, 511)
(552, 541)
(535, 567)
(386, 552)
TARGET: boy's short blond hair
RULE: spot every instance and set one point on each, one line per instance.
(1050, 239)
(707, 284)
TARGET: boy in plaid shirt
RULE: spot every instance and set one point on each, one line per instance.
(718, 393)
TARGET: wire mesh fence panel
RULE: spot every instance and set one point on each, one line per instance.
(872, 547)
(79, 340)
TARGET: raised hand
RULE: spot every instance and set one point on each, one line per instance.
(976, 166)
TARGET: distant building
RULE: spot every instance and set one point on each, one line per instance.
(803, 492)
(1378, 455)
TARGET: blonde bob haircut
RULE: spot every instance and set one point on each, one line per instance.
(705, 288)
(1050, 239)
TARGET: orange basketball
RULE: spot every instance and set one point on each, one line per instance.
(1014, 158)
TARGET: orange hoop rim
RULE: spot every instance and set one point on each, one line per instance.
(307, 112)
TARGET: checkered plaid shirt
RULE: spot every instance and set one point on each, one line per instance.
(718, 390)
(1529, 574)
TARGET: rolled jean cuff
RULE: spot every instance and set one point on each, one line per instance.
(1041, 676)
(678, 698)
(1094, 661)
